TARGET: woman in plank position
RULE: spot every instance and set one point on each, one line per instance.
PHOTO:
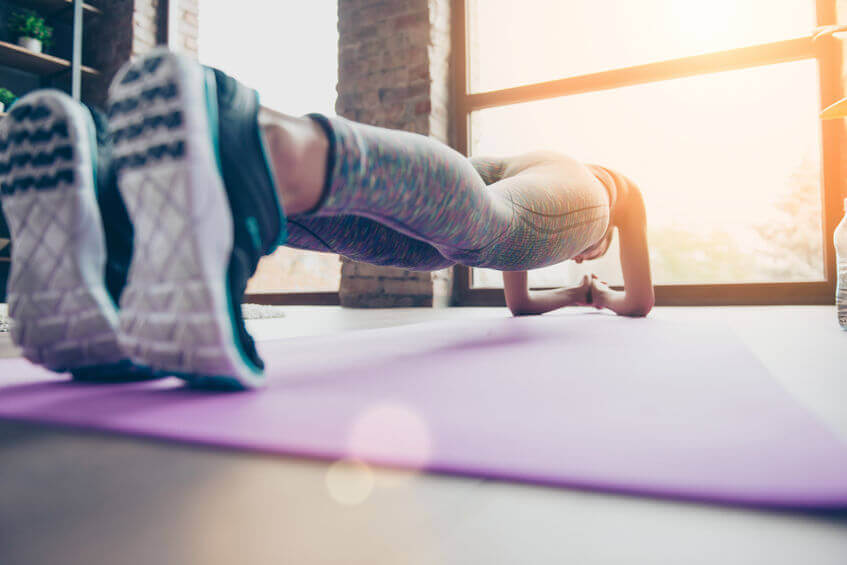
(206, 190)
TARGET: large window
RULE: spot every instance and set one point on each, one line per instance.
(711, 107)
(287, 50)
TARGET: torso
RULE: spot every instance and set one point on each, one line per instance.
(569, 170)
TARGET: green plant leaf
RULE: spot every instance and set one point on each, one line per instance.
(27, 23)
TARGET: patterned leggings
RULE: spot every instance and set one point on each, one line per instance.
(406, 200)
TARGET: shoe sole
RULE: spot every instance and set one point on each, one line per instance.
(61, 314)
(177, 314)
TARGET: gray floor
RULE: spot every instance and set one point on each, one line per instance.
(70, 497)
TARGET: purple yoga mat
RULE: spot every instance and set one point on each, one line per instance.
(642, 406)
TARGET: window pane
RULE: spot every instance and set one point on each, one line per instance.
(253, 49)
(729, 165)
(286, 49)
(293, 270)
(513, 43)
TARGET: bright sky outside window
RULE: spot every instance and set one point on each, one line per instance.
(286, 49)
(514, 43)
(729, 163)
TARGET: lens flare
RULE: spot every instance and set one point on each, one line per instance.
(349, 482)
(392, 433)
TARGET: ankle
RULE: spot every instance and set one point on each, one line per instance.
(298, 151)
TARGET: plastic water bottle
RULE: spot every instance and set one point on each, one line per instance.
(840, 240)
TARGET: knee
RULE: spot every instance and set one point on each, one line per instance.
(282, 151)
(298, 151)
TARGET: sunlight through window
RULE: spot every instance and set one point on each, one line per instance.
(515, 43)
(728, 164)
(290, 55)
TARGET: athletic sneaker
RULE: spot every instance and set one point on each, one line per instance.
(69, 262)
(193, 171)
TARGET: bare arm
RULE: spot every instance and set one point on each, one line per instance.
(522, 301)
(637, 298)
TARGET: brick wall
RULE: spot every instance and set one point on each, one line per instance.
(393, 71)
(128, 28)
(187, 25)
(107, 43)
(146, 18)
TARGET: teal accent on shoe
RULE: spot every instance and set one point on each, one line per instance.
(92, 142)
(234, 310)
(253, 228)
(209, 382)
(283, 221)
(212, 113)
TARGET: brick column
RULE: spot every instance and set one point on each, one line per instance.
(187, 24)
(126, 29)
(393, 71)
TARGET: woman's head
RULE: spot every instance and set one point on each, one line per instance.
(597, 250)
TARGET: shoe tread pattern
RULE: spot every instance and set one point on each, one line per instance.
(60, 313)
(171, 315)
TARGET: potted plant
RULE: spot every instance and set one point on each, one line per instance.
(6, 98)
(32, 30)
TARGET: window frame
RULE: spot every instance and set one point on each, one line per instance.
(827, 52)
(324, 298)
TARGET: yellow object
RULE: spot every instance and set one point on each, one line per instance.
(837, 110)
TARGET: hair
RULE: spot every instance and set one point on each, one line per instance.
(603, 243)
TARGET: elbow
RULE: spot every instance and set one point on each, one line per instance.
(518, 303)
(520, 309)
(643, 307)
(640, 312)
